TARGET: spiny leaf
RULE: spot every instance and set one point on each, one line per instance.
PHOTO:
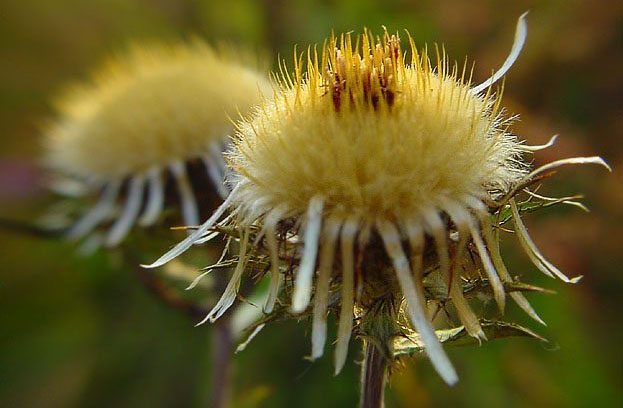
(481, 285)
(410, 343)
(534, 203)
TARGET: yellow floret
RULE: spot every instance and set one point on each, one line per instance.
(375, 136)
(156, 104)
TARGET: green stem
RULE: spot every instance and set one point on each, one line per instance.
(373, 377)
(222, 353)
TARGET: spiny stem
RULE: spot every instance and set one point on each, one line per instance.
(373, 377)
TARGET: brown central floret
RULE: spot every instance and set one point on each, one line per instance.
(368, 74)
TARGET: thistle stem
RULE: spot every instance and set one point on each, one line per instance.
(165, 294)
(373, 377)
(221, 336)
(222, 351)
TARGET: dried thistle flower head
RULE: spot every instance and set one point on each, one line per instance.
(388, 169)
(144, 118)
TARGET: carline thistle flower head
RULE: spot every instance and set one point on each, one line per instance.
(380, 170)
(151, 121)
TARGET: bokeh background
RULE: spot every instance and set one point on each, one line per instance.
(83, 332)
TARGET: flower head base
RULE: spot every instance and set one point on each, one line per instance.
(145, 116)
(387, 169)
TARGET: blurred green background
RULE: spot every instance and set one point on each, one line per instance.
(83, 332)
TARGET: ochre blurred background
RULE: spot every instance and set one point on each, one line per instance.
(83, 332)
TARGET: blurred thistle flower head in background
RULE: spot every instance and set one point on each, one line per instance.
(376, 182)
(152, 121)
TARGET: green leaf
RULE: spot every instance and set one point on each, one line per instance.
(536, 202)
(410, 343)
